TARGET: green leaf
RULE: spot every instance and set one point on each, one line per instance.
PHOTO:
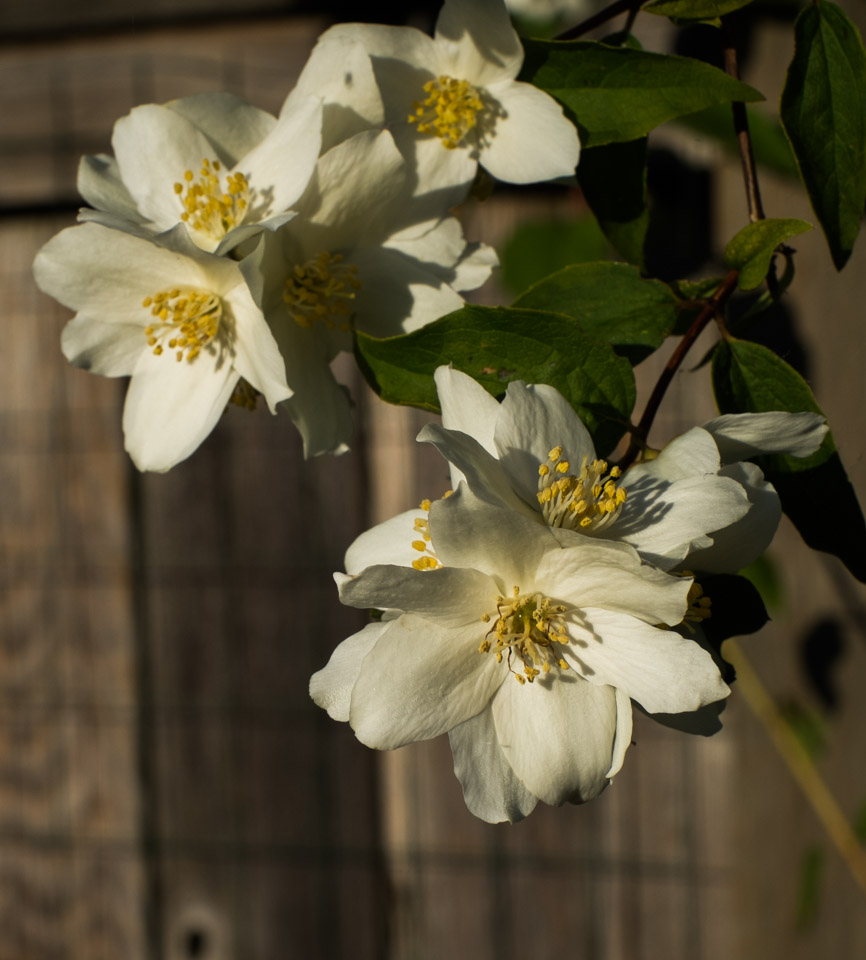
(824, 114)
(751, 250)
(769, 144)
(612, 302)
(536, 249)
(748, 377)
(496, 345)
(693, 9)
(613, 180)
(618, 94)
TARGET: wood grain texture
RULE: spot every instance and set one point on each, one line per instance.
(167, 790)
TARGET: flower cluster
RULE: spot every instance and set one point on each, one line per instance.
(525, 612)
(228, 254)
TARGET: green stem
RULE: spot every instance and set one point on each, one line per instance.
(799, 764)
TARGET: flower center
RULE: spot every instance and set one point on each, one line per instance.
(184, 320)
(449, 111)
(322, 290)
(528, 627)
(587, 501)
(210, 205)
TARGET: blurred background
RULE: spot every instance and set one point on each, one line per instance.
(167, 788)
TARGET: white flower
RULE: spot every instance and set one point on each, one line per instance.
(523, 646)
(694, 504)
(452, 101)
(224, 168)
(354, 257)
(177, 320)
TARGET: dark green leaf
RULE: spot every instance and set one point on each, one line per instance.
(613, 180)
(612, 302)
(824, 114)
(769, 144)
(694, 9)
(751, 250)
(748, 377)
(496, 345)
(535, 250)
(618, 94)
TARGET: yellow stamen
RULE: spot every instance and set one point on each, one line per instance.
(321, 290)
(185, 320)
(449, 111)
(209, 205)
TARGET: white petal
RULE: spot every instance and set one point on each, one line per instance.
(692, 454)
(506, 545)
(386, 543)
(404, 59)
(467, 406)
(741, 543)
(471, 462)
(331, 687)
(354, 184)
(109, 349)
(533, 420)
(447, 597)
(421, 680)
(154, 146)
(231, 124)
(622, 740)
(257, 356)
(438, 178)
(280, 167)
(100, 184)
(593, 573)
(477, 42)
(172, 406)
(660, 669)
(664, 521)
(532, 141)
(352, 101)
(105, 274)
(398, 295)
(557, 734)
(743, 435)
(490, 787)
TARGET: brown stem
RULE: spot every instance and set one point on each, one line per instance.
(741, 127)
(711, 309)
(600, 18)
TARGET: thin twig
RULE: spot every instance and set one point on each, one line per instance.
(600, 18)
(799, 763)
(711, 309)
(741, 126)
